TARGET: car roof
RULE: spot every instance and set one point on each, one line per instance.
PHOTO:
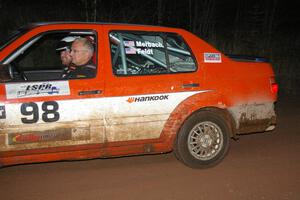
(36, 24)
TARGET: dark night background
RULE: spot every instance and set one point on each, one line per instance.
(264, 28)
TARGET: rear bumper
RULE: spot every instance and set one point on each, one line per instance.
(250, 118)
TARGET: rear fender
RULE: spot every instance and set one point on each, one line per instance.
(201, 101)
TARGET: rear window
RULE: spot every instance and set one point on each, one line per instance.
(143, 53)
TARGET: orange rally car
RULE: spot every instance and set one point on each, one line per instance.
(153, 90)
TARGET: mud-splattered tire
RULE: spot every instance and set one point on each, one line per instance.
(203, 140)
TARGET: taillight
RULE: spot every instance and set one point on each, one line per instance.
(274, 85)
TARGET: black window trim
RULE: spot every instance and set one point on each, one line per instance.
(40, 35)
(164, 35)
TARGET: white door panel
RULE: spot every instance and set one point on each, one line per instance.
(94, 120)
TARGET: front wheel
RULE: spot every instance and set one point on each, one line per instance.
(203, 140)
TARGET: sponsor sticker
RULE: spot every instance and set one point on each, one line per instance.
(145, 44)
(133, 50)
(2, 112)
(37, 89)
(141, 47)
(148, 44)
(147, 98)
(53, 135)
(212, 57)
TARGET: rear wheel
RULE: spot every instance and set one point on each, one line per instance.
(203, 140)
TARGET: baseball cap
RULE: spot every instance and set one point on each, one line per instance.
(91, 39)
(65, 43)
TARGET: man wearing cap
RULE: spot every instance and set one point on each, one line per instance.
(64, 48)
(82, 51)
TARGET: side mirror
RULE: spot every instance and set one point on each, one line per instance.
(6, 73)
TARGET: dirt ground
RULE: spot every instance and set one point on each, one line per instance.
(258, 166)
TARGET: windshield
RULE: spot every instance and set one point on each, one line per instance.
(13, 36)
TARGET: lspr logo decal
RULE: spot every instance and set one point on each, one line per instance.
(147, 98)
(25, 90)
(36, 89)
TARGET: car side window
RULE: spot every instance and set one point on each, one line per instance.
(180, 57)
(141, 53)
(40, 59)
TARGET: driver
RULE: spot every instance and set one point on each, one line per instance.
(82, 51)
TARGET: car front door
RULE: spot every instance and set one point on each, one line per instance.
(38, 108)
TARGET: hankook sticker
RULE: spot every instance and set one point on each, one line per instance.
(147, 98)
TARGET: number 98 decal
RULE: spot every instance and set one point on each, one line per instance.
(50, 112)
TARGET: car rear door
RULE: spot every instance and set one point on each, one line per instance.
(151, 73)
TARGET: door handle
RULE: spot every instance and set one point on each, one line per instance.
(90, 92)
(190, 85)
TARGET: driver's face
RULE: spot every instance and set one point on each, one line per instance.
(65, 57)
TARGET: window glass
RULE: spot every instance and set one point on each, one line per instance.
(13, 36)
(49, 57)
(140, 53)
(40, 55)
(180, 58)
